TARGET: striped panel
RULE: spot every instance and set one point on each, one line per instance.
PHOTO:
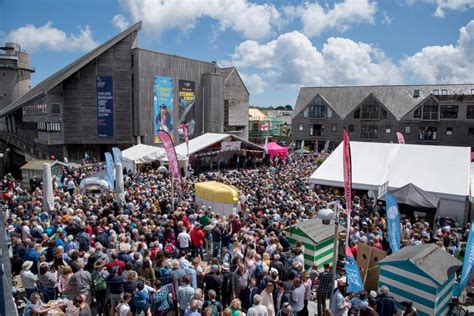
(323, 244)
(408, 281)
(416, 295)
(444, 297)
(294, 238)
(409, 275)
(401, 296)
(444, 311)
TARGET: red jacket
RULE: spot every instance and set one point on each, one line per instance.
(197, 237)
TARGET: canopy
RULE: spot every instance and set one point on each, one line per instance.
(414, 196)
(302, 151)
(275, 149)
(222, 198)
(140, 154)
(440, 170)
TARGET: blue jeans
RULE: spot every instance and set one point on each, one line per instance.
(49, 293)
(216, 249)
(198, 250)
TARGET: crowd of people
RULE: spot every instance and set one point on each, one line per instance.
(96, 255)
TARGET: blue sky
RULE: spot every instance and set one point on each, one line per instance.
(277, 46)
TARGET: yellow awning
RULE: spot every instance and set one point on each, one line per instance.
(217, 192)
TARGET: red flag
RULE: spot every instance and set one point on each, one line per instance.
(401, 139)
(347, 181)
(168, 146)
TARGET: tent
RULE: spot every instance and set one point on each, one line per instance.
(275, 149)
(222, 198)
(141, 154)
(440, 170)
(302, 151)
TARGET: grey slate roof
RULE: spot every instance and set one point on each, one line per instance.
(431, 259)
(317, 231)
(49, 83)
(398, 100)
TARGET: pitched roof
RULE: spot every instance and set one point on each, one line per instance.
(398, 100)
(52, 81)
(38, 164)
(317, 231)
(431, 259)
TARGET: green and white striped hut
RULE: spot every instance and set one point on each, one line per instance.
(317, 238)
(423, 274)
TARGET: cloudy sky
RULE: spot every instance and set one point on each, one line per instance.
(278, 46)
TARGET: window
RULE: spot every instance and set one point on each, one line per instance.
(428, 133)
(317, 130)
(305, 113)
(407, 130)
(416, 93)
(383, 114)
(370, 109)
(449, 131)
(417, 113)
(388, 129)
(317, 109)
(300, 127)
(55, 108)
(351, 128)
(334, 128)
(470, 131)
(472, 90)
(470, 111)
(444, 92)
(369, 131)
(449, 111)
(430, 110)
(357, 113)
(436, 92)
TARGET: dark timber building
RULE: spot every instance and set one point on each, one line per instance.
(424, 114)
(109, 98)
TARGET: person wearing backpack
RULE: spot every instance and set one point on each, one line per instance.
(140, 300)
(216, 307)
(99, 285)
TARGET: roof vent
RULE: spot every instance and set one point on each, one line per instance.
(416, 93)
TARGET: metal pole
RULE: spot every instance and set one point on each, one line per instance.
(172, 193)
(334, 253)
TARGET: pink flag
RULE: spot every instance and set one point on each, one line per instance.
(172, 159)
(401, 139)
(347, 181)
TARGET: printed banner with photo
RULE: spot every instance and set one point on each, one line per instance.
(186, 101)
(163, 107)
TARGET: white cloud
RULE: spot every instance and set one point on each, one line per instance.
(317, 19)
(292, 59)
(442, 5)
(444, 64)
(120, 22)
(250, 19)
(253, 82)
(47, 37)
(386, 18)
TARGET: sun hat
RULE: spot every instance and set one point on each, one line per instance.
(27, 265)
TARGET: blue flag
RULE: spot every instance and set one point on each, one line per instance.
(468, 263)
(109, 161)
(393, 222)
(354, 281)
(117, 155)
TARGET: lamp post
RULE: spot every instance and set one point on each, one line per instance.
(326, 215)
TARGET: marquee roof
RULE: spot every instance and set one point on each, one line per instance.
(443, 170)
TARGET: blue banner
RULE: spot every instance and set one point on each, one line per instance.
(393, 222)
(468, 263)
(353, 278)
(117, 155)
(109, 162)
(163, 107)
(105, 106)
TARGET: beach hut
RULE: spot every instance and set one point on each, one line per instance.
(222, 198)
(35, 168)
(421, 274)
(317, 238)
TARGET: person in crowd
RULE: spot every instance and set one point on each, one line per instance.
(257, 309)
(386, 303)
(161, 302)
(36, 306)
(324, 288)
(28, 279)
(339, 303)
(212, 304)
(123, 308)
(267, 298)
(185, 294)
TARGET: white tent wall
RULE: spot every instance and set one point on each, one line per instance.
(440, 170)
(219, 208)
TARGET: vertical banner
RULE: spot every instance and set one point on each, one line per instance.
(185, 130)
(393, 222)
(109, 164)
(117, 155)
(170, 151)
(468, 263)
(401, 139)
(105, 106)
(48, 198)
(163, 107)
(347, 169)
(353, 278)
(186, 101)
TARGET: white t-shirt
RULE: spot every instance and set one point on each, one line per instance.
(123, 309)
(184, 239)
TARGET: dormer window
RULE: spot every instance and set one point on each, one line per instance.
(416, 93)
